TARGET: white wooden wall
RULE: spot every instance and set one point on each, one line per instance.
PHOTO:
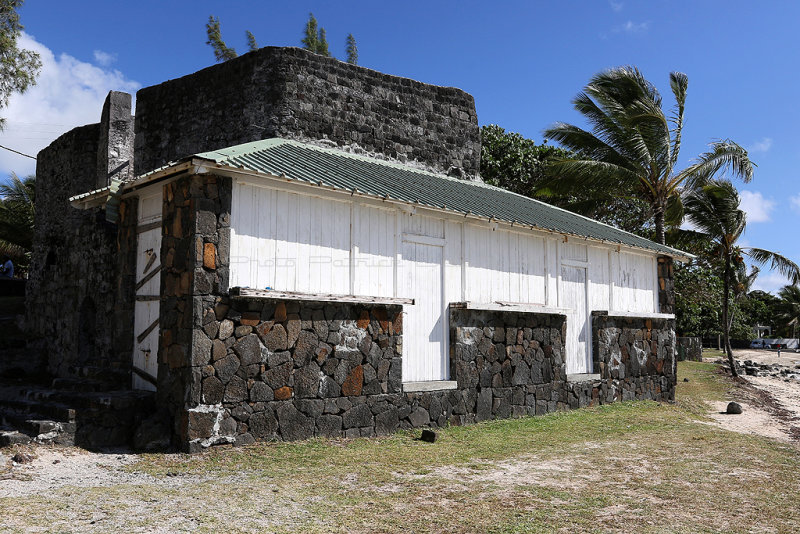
(290, 241)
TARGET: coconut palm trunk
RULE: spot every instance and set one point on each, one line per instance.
(726, 325)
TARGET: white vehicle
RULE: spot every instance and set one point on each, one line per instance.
(759, 344)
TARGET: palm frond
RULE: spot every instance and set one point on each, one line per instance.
(568, 174)
(776, 262)
(725, 156)
(678, 82)
(585, 143)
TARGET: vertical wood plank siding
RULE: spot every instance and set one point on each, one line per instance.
(295, 242)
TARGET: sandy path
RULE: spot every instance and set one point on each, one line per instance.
(770, 404)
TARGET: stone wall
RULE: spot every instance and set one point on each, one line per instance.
(79, 302)
(637, 354)
(275, 369)
(666, 284)
(690, 348)
(293, 93)
(195, 248)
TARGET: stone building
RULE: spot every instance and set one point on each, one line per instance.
(284, 246)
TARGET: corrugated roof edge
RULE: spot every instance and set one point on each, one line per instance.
(219, 157)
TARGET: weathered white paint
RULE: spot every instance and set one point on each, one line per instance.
(503, 265)
(146, 312)
(573, 298)
(424, 328)
(289, 240)
(635, 281)
(374, 237)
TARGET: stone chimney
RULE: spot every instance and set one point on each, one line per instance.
(115, 145)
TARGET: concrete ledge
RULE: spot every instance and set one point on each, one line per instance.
(245, 292)
(509, 307)
(430, 385)
(583, 377)
(639, 315)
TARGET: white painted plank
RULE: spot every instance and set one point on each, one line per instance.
(573, 295)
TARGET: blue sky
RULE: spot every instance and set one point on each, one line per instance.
(522, 61)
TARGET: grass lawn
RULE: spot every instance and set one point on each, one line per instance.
(626, 467)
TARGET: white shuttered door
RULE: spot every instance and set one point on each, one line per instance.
(423, 323)
(573, 297)
(148, 290)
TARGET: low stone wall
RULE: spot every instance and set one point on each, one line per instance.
(268, 369)
(293, 370)
(636, 354)
(690, 348)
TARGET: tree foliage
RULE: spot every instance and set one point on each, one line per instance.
(351, 49)
(513, 162)
(18, 67)
(632, 147)
(788, 309)
(222, 52)
(314, 39)
(17, 218)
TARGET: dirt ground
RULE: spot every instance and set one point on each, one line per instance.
(770, 404)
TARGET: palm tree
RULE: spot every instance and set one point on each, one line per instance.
(741, 283)
(714, 211)
(633, 147)
(16, 217)
(789, 307)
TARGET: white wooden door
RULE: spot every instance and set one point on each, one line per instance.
(148, 291)
(424, 322)
(573, 297)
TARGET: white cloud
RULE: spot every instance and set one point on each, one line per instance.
(756, 206)
(770, 282)
(616, 6)
(794, 202)
(68, 93)
(632, 27)
(104, 59)
(761, 146)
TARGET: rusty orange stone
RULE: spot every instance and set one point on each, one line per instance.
(649, 324)
(264, 328)
(363, 320)
(352, 385)
(283, 393)
(398, 324)
(383, 319)
(250, 318)
(210, 256)
(322, 353)
(186, 280)
(280, 312)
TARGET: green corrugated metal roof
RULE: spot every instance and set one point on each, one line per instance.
(345, 171)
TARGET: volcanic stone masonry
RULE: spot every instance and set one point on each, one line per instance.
(80, 295)
(635, 355)
(293, 93)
